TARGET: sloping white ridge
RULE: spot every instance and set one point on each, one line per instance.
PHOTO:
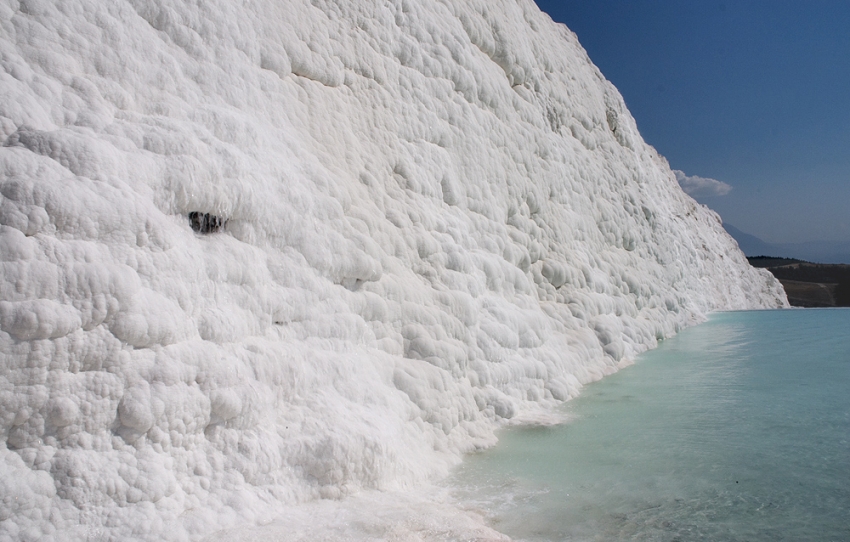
(437, 216)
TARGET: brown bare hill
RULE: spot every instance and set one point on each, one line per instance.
(809, 284)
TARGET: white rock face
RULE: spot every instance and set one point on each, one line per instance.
(424, 218)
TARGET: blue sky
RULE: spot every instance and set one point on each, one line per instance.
(755, 94)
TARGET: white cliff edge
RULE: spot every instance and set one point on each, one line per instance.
(414, 221)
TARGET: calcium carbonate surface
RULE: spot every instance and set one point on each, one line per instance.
(294, 258)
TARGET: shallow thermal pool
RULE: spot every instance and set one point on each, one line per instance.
(737, 429)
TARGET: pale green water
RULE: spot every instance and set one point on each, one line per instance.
(737, 429)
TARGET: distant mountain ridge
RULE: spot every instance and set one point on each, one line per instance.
(815, 251)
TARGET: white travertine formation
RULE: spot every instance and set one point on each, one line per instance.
(416, 220)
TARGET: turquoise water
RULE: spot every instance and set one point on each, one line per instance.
(734, 430)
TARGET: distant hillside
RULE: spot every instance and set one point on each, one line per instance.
(770, 261)
(809, 284)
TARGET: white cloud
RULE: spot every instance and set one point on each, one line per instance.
(701, 186)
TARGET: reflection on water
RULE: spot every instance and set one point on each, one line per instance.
(736, 429)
